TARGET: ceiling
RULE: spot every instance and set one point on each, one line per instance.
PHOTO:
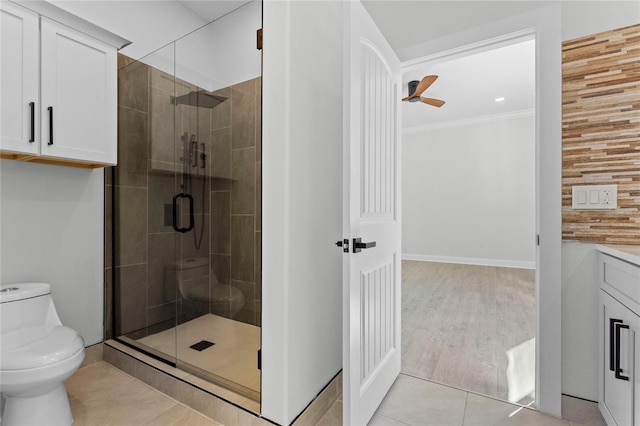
(470, 84)
(212, 10)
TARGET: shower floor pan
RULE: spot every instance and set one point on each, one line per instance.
(231, 361)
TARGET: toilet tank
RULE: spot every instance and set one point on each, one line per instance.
(26, 312)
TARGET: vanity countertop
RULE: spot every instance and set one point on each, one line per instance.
(628, 253)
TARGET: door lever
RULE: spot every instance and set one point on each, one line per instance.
(358, 245)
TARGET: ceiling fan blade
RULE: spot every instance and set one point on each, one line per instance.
(405, 99)
(424, 85)
(433, 102)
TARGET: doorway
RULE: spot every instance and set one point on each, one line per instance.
(469, 222)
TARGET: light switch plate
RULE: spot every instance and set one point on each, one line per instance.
(594, 197)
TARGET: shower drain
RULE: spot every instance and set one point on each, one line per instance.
(202, 345)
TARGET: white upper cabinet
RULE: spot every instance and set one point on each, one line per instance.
(58, 91)
(79, 96)
(19, 81)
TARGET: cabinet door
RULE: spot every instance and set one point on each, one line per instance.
(618, 345)
(19, 118)
(79, 96)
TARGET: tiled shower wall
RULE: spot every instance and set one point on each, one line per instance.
(228, 216)
(601, 133)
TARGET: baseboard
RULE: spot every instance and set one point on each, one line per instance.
(471, 261)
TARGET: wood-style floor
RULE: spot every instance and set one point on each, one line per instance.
(458, 321)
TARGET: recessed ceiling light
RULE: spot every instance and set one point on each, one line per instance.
(499, 99)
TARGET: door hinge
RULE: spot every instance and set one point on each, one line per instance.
(259, 359)
(259, 39)
(538, 239)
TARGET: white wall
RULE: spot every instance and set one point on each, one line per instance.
(302, 207)
(583, 18)
(469, 193)
(51, 228)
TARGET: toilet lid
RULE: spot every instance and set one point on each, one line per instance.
(60, 343)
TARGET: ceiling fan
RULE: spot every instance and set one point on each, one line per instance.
(417, 87)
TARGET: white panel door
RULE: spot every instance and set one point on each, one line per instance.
(372, 212)
(79, 96)
(19, 66)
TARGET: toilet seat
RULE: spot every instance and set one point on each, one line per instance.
(56, 345)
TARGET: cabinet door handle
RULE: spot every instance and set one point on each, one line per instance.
(618, 371)
(50, 125)
(612, 343)
(32, 107)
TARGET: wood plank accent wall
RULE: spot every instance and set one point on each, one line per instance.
(601, 133)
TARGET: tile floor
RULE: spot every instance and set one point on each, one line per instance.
(100, 394)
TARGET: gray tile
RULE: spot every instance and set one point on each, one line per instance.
(221, 159)
(210, 406)
(200, 236)
(162, 287)
(108, 228)
(131, 226)
(92, 354)
(160, 79)
(243, 114)
(164, 314)
(248, 419)
(220, 268)
(133, 86)
(132, 148)
(162, 188)
(162, 127)
(131, 294)
(258, 267)
(221, 222)
(160, 380)
(483, 411)
(242, 248)
(258, 196)
(580, 411)
(119, 360)
(378, 420)
(108, 303)
(221, 114)
(419, 402)
(243, 185)
(248, 314)
(259, 119)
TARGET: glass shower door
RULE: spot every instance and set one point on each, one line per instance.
(194, 146)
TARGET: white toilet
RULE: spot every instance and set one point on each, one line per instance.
(192, 277)
(37, 354)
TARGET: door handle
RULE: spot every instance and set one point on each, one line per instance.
(358, 245)
(175, 212)
(612, 340)
(618, 370)
(50, 125)
(32, 106)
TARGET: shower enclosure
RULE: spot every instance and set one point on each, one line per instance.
(183, 204)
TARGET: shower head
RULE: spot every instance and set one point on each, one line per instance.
(198, 99)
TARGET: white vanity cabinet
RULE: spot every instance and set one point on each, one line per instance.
(619, 385)
(58, 90)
